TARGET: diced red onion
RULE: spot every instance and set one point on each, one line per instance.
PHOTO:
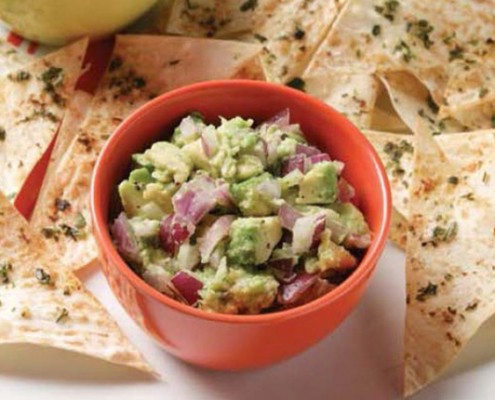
(307, 232)
(222, 195)
(195, 198)
(271, 188)
(318, 158)
(293, 291)
(358, 241)
(209, 142)
(283, 269)
(188, 286)
(288, 215)
(346, 191)
(281, 119)
(297, 161)
(188, 127)
(307, 150)
(124, 238)
(175, 230)
(214, 235)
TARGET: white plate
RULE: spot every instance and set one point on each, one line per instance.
(360, 360)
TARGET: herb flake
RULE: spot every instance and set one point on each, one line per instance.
(43, 277)
(426, 291)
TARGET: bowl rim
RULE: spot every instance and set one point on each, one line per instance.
(100, 225)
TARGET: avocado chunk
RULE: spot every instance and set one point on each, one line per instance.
(319, 185)
(248, 166)
(236, 290)
(330, 256)
(196, 154)
(351, 218)
(160, 194)
(252, 240)
(252, 201)
(169, 161)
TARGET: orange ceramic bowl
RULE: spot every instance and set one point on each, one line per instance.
(235, 342)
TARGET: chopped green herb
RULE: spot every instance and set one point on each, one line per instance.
(50, 232)
(442, 234)
(19, 76)
(469, 196)
(453, 180)
(260, 38)
(3, 133)
(403, 47)
(456, 53)
(5, 269)
(431, 104)
(299, 34)
(62, 316)
(248, 5)
(486, 177)
(197, 116)
(421, 29)
(115, 63)
(472, 306)
(43, 277)
(388, 9)
(426, 291)
(448, 277)
(70, 231)
(483, 92)
(377, 29)
(297, 83)
(139, 82)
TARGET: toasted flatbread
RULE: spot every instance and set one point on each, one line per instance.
(208, 18)
(470, 96)
(11, 58)
(353, 93)
(427, 39)
(449, 260)
(33, 101)
(290, 32)
(46, 305)
(141, 68)
(411, 100)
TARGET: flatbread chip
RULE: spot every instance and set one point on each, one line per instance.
(141, 68)
(396, 152)
(470, 96)
(450, 256)
(412, 100)
(208, 18)
(45, 305)
(290, 31)
(384, 116)
(353, 93)
(398, 230)
(11, 58)
(33, 104)
(427, 39)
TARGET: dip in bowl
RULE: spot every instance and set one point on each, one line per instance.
(283, 251)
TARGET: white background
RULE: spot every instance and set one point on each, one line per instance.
(360, 360)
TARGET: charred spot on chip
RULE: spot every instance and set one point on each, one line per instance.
(453, 180)
(456, 53)
(42, 276)
(299, 33)
(115, 64)
(3, 134)
(376, 30)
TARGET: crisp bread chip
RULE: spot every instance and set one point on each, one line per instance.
(290, 31)
(141, 67)
(385, 118)
(470, 96)
(208, 18)
(46, 305)
(11, 58)
(33, 104)
(398, 230)
(431, 40)
(449, 260)
(411, 99)
(353, 93)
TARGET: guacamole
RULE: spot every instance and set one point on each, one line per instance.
(239, 218)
